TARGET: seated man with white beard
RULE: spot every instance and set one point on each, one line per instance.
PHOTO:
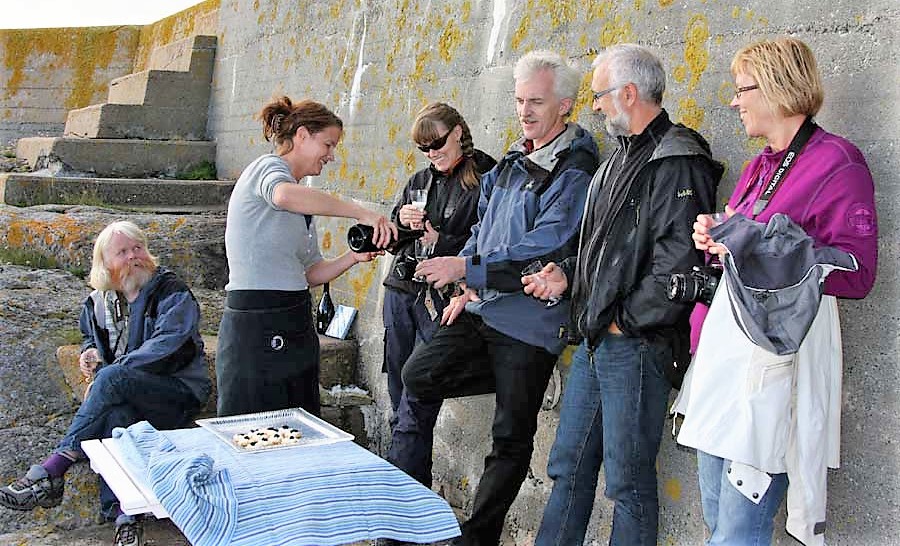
(143, 351)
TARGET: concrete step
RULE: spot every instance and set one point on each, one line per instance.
(191, 54)
(115, 158)
(28, 189)
(163, 88)
(151, 122)
(337, 360)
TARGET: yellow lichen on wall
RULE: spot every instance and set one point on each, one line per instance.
(361, 280)
(672, 488)
(696, 55)
(690, 113)
(585, 98)
(84, 51)
(451, 38)
(616, 31)
(665, 3)
(561, 12)
(172, 28)
(523, 29)
(326, 241)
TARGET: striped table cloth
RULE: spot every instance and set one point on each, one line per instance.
(319, 495)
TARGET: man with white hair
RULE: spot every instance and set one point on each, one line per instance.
(143, 353)
(495, 338)
(637, 230)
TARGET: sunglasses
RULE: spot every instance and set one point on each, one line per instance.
(436, 144)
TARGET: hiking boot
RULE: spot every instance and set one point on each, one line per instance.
(129, 531)
(34, 489)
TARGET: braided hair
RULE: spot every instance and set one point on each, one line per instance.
(424, 131)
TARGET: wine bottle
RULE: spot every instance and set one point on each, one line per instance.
(325, 311)
(359, 238)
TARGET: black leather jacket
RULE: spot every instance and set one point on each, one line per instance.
(637, 230)
(451, 209)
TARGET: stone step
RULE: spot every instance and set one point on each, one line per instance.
(337, 361)
(63, 235)
(150, 122)
(28, 189)
(116, 158)
(163, 88)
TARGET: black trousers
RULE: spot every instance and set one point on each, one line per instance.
(468, 358)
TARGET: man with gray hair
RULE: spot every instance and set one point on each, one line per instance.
(494, 337)
(636, 232)
(143, 356)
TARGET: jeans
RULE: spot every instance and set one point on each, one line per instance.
(122, 396)
(731, 518)
(464, 359)
(405, 323)
(613, 411)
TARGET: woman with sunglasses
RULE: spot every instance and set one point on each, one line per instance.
(771, 432)
(412, 310)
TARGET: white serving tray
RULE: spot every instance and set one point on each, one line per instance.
(314, 431)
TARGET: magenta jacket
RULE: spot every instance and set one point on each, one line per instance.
(829, 192)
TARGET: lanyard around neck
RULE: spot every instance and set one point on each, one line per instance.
(793, 150)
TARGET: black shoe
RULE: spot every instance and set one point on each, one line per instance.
(129, 532)
(36, 488)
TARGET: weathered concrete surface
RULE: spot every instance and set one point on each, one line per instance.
(47, 72)
(25, 190)
(115, 157)
(168, 102)
(191, 245)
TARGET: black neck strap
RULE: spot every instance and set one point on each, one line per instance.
(797, 143)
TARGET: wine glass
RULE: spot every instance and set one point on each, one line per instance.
(419, 199)
(421, 252)
(534, 269)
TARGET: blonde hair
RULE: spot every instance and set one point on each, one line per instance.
(100, 277)
(786, 72)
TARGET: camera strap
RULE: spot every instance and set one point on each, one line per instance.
(793, 150)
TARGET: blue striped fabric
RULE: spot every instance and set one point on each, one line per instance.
(323, 495)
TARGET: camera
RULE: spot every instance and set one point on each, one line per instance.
(405, 268)
(697, 285)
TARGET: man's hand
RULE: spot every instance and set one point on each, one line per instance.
(457, 305)
(442, 271)
(549, 282)
(88, 362)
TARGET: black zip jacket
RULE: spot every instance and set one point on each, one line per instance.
(636, 232)
(451, 209)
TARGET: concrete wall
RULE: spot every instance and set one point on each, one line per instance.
(47, 72)
(376, 62)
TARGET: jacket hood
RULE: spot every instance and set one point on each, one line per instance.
(574, 138)
(683, 141)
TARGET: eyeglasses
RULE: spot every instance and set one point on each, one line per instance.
(436, 144)
(599, 94)
(739, 90)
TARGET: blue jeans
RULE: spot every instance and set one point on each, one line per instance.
(119, 397)
(731, 518)
(613, 412)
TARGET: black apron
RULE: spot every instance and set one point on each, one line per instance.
(268, 353)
